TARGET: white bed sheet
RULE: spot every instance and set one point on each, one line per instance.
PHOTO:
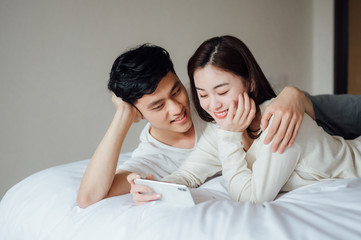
(43, 206)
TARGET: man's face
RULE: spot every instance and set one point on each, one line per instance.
(167, 108)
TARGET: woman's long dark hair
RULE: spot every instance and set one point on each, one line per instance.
(232, 55)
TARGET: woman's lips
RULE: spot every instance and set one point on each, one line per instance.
(222, 114)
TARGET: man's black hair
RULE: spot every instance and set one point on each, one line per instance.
(137, 72)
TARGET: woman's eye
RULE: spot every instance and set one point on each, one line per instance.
(203, 96)
(223, 93)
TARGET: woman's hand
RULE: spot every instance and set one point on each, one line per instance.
(138, 191)
(287, 111)
(238, 119)
(126, 108)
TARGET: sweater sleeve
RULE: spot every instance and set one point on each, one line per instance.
(257, 182)
(201, 163)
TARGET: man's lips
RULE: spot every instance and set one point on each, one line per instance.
(180, 119)
(222, 114)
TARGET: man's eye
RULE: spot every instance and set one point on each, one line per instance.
(158, 107)
(176, 92)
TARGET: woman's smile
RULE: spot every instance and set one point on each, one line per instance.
(221, 114)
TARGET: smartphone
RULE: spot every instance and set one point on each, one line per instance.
(171, 192)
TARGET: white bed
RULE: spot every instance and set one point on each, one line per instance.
(43, 207)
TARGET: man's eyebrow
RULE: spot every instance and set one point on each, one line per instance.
(176, 84)
(218, 86)
(152, 104)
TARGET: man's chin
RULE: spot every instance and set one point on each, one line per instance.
(185, 128)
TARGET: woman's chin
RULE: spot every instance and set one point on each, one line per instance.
(219, 121)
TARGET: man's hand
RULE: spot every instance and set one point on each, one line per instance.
(287, 111)
(138, 191)
(238, 119)
(125, 107)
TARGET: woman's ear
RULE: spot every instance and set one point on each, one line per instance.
(250, 85)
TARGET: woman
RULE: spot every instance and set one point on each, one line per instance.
(229, 87)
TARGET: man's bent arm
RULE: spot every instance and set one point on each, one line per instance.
(338, 115)
(99, 180)
(287, 111)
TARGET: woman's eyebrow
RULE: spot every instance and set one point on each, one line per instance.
(201, 89)
(215, 87)
(220, 85)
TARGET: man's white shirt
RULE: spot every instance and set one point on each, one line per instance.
(154, 157)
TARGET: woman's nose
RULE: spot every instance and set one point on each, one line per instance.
(214, 104)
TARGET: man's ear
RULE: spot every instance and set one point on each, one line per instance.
(141, 114)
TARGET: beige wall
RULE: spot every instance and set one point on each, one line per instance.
(322, 46)
(55, 57)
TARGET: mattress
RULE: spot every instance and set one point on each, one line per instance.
(43, 206)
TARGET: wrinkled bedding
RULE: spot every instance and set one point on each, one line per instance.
(43, 206)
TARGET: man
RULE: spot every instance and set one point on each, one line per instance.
(145, 86)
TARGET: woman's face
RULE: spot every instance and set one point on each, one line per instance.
(216, 90)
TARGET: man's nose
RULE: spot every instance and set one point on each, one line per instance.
(175, 107)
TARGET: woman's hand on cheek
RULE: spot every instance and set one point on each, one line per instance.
(239, 118)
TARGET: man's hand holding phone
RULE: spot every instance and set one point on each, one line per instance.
(141, 194)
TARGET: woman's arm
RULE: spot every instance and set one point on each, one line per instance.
(259, 174)
(201, 163)
(261, 177)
